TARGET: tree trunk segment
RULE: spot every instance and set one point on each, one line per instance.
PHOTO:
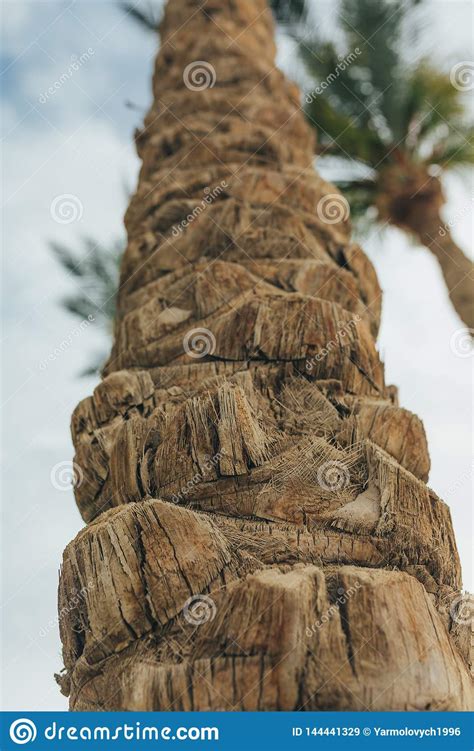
(410, 198)
(260, 535)
(457, 269)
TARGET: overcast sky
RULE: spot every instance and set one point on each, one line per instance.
(78, 141)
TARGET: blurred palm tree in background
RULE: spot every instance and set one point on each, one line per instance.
(95, 268)
(403, 123)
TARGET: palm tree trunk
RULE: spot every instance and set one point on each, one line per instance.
(260, 535)
(410, 198)
(457, 269)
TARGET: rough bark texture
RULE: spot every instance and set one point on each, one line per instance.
(260, 532)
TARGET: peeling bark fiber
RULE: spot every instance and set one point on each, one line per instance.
(260, 535)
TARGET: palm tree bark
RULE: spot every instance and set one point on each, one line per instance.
(260, 535)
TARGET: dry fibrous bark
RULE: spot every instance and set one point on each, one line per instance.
(260, 535)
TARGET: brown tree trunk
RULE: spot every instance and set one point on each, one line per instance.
(411, 199)
(260, 535)
(457, 269)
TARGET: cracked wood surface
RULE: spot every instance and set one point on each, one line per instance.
(260, 533)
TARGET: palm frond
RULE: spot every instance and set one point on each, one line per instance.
(80, 306)
(431, 101)
(342, 132)
(370, 86)
(341, 78)
(434, 119)
(455, 150)
(95, 268)
(66, 258)
(95, 367)
(360, 195)
(288, 11)
(148, 17)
